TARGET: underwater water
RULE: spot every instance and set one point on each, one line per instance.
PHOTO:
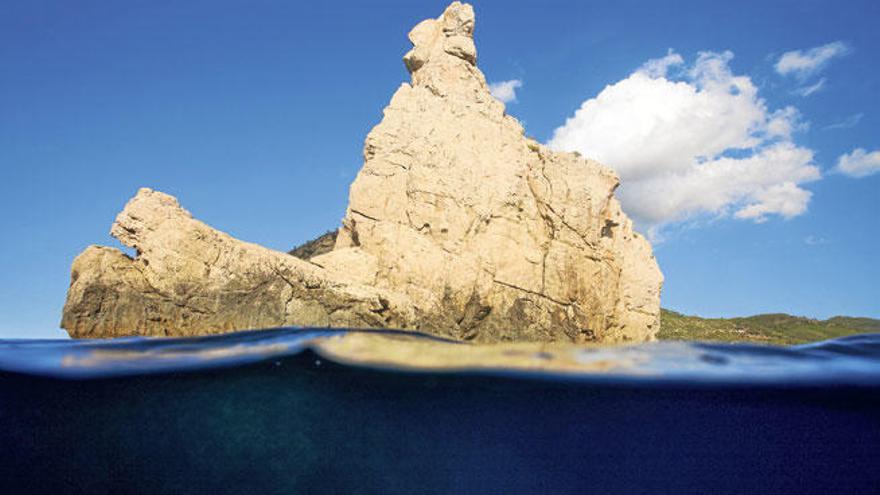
(272, 412)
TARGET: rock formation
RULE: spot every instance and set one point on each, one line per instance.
(189, 279)
(457, 225)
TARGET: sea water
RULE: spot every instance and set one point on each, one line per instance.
(266, 412)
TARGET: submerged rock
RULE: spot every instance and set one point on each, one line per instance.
(457, 225)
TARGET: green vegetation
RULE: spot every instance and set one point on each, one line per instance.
(765, 329)
(316, 247)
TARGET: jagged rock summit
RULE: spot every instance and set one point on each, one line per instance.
(457, 225)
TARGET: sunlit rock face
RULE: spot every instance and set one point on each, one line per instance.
(190, 279)
(485, 228)
(457, 225)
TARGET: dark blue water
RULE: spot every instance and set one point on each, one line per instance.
(264, 412)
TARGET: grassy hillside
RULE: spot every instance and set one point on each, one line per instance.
(767, 329)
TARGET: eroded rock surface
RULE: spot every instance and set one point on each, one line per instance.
(189, 279)
(457, 225)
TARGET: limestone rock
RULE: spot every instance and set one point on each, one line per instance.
(189, 279)
(473, 221)
(457, 225)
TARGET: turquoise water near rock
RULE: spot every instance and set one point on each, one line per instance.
(266, 412)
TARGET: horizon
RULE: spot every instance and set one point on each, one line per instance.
(751, 164)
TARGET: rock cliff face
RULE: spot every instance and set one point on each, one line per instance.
(457, 225)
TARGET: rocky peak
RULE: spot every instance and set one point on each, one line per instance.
(452, 34)
(460, 210)
(444, 58)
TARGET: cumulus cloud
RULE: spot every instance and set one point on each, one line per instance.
(659, 67)
(859, 163)
(505, 90)
(785, 199)
(704, 143)
(803, 63)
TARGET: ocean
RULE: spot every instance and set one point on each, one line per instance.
(317, 411)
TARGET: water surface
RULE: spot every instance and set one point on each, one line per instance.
(293, 411)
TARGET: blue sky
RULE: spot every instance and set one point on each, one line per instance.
(254, 113)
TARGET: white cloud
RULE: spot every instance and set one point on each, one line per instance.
(859, 163)
(851, 121)
(785, 199)
(808, 90)
(802, 63)
(505, 90)
(705, 144)
(659, 67)
(812, 240)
